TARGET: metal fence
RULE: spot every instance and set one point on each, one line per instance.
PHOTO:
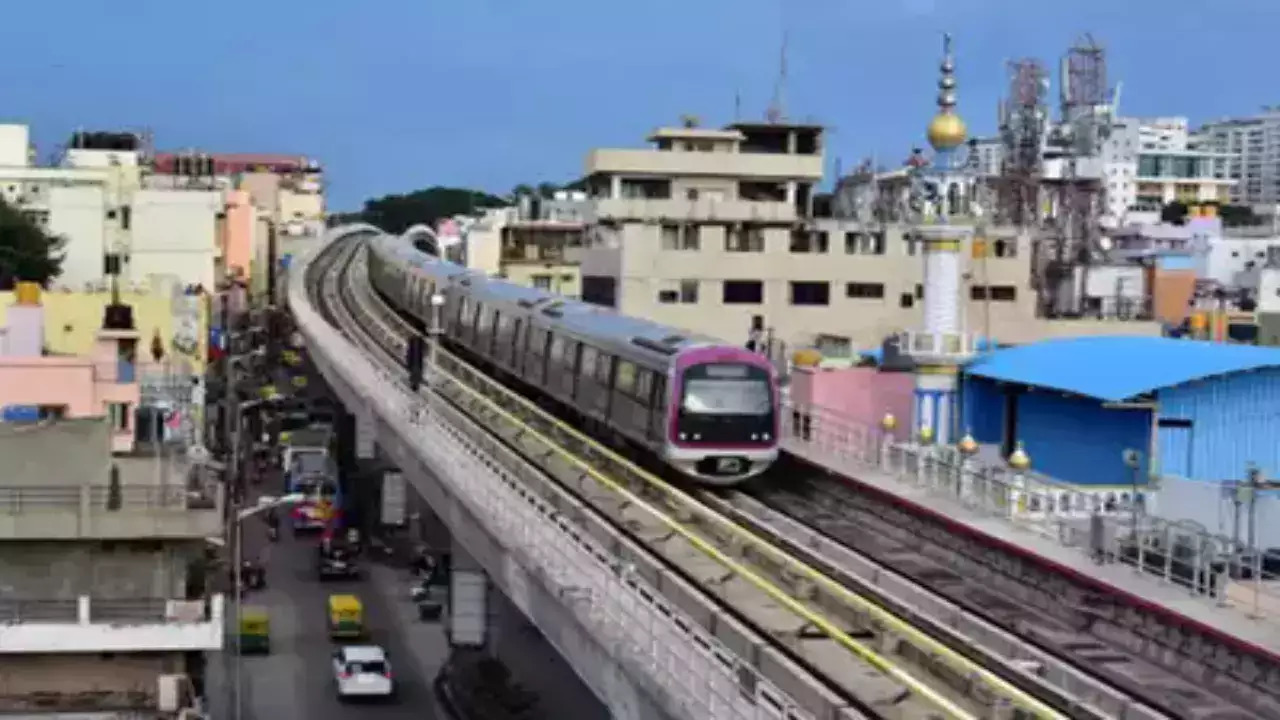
(1109, 526)
(100, 610)
(17, 500)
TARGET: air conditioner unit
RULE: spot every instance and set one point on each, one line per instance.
(173, 692)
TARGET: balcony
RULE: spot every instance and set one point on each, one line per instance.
(700, 210)
(663, 163)
(86, 625)
(81, 512)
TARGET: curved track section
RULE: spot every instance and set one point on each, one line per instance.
(949, 659)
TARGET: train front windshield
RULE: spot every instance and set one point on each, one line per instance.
(726, 403)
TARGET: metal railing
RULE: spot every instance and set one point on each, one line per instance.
(87, 609)
(689, 670)
(1100, 524)
(128, 498)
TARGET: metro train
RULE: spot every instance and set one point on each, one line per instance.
(707, 409)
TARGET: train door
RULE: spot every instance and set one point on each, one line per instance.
(518, 358)
(658, 409)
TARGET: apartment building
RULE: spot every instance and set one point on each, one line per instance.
(535, 243)
(1247, 151)
(712, 230)
(102, 606)
(114, 223)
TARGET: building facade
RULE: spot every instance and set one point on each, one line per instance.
(1247, 151)
(1196, 413)
(101, 609)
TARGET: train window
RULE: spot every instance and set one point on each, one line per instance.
(644, 385)
(604, 365)
(626, 380)
(588, 364)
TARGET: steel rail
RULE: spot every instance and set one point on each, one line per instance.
(720, 539)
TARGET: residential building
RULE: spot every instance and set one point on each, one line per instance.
(1151, 162)
(988, 156)
(535, 243)
(1247, 151)
(98, 199)
(101, 609)
(538, 253)
(712, 230)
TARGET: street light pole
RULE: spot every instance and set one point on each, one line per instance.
(436, 329)
(264, 503)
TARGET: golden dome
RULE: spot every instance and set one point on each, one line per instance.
(947, 131)
(806, 358)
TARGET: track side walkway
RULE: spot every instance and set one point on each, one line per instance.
(1246, 626)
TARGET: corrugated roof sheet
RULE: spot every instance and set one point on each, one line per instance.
(1118, 368)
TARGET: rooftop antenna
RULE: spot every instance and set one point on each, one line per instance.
(777, 105)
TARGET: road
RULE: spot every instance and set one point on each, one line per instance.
(295, 680)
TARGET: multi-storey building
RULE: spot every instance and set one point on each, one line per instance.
(113, 222)
(102, 608)
(713, 230)
(1248, 152)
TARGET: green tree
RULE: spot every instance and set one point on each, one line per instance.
(27, 252)
(397, 213)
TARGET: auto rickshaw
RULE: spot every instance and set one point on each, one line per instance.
(346, 616)
(255, 631)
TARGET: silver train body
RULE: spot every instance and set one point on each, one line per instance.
(706, 408)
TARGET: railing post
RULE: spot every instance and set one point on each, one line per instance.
(84, 614)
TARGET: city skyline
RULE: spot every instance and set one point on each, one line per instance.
(532, 91)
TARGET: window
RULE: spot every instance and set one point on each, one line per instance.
(748, 238)
(126, 217)
(995, 293)
(681, 237)
(688, 291)
(808, 241)
(865, 291)
(864, 243)
(625, 381)
(919, 291)
(906, 301)
(119, 414)
(743, 292)
(810, 293)
(542, 282)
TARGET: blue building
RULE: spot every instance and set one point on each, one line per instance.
(1202, 411)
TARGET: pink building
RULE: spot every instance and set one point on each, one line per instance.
(237, 233)
(859, 395)
(36, 386)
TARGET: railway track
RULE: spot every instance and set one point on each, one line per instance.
(823, 513)
(934, 670)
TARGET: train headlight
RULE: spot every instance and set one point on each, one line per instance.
(765, 437)
(697, 436)
(684, 436)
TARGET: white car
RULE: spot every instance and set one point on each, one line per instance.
(362, 671)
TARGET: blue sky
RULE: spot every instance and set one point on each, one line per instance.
(393, 95)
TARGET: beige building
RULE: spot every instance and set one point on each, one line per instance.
(709, 229)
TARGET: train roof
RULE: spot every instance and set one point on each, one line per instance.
(581, 318)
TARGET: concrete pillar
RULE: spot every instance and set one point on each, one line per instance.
(941, 345)
(365, 435)
(468, 624)
(615, 187)
(84, 614)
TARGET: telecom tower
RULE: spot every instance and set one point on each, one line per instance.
(940, 195)
(1074, 170)
(1024, 121)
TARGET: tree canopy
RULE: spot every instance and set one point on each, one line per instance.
(27, 252)
(398, 212)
